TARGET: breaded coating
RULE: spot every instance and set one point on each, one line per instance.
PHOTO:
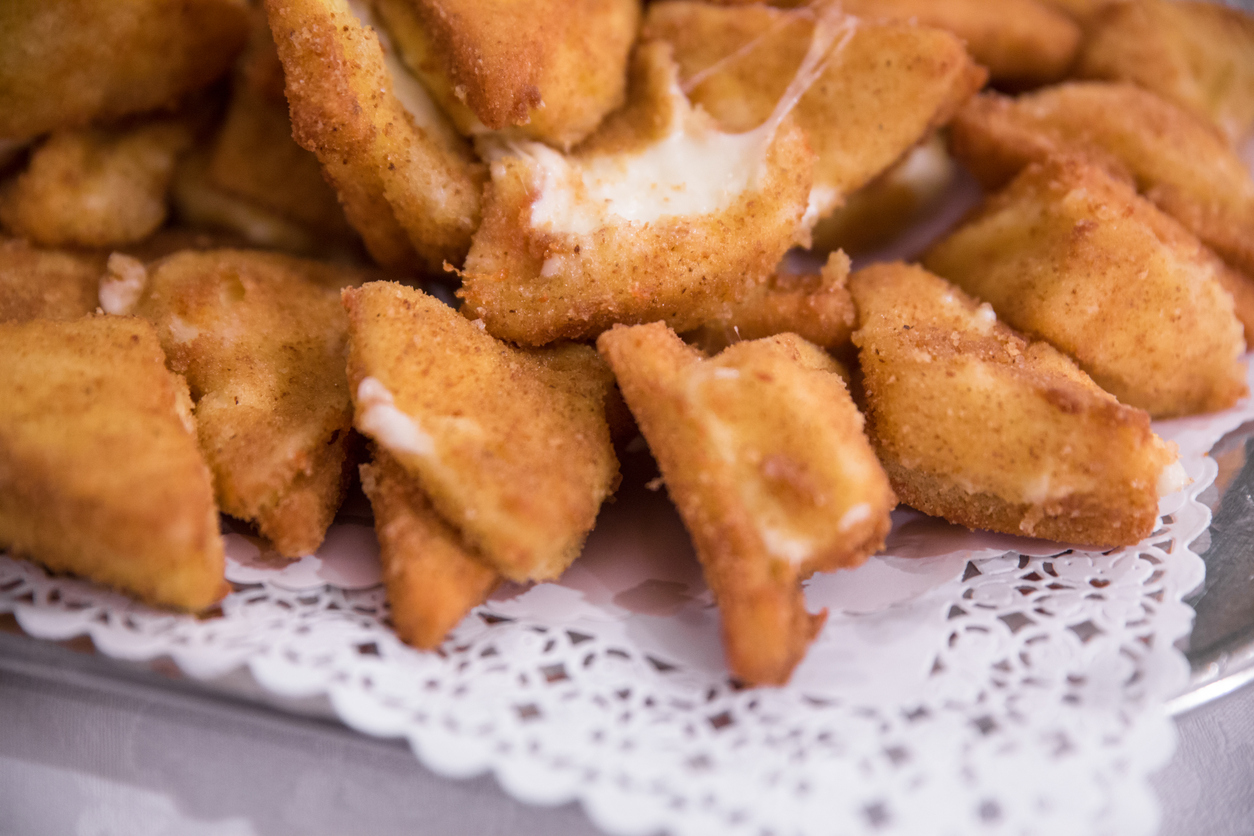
(762, 451)
(659, 216)
(881, 91)
(254, 156)
(1083, 12)
(891, 203)
(432, 578)
(1198, 55)
(408, 183)
(1178, 161)
(548, 70)
(95, 187)
(981, 427)
(99, 471)
(46, 284)
(510, 445)
(1023, 43)
(64, 63)
(814, 305)
(1070, 255)
(261, 338)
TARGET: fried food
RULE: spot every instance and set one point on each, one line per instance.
(95, 187)
(261, 338)
(659, 216)
(46, 284)
(1023, 43)
(432, 578)
(891, 203)
(510, 445)
(981, 427)
(65, 63)
(814, 305)
(882, 90)
(99, 471)
(408, 183)
(254, 157)
(1198, 55)
(548, 70)
(762, 451)
(1082, 11)
(1178, 161)
(1070, 255)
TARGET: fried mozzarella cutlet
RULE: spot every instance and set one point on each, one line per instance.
(763, 453)
(99, 471)
(1178, 161)
(1070, 255)
(1198, 55)
(432, 578)
(65, 63)
(261, 339)
(1023, 43)
(96, 187)
(882, 87)
(660, 215)
(511, 445)
(977, 425)
(46, 284)
(813, 304)
(548, 70)
(409, 184)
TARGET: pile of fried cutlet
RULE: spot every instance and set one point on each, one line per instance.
(226, 226)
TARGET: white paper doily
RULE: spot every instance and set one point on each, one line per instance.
(964, 683)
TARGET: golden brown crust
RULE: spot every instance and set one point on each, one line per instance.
(886, 88)
(534, 283)
(261, 338)
(64, 64)
(95, 187)
(976, 425)
(814, 305)
(543, 69)
(763, 453)
(1070, 255)
(1181, 163)
(432, 579)
(99, 474)
(411, 190)
(46, 284)
(1198, 55)
(1023, 43)
(510, 445)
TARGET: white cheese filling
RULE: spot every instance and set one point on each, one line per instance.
(380, 419)
(122, 285)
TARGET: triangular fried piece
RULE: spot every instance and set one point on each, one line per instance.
(883, 87)
(763, 453)
(99, 471)
(408, 182)
(432, 578)
(542, 69)
(659, 215)
(261, 339)
(511, 445)
(979, 426)
(1177, 160)
(1070, 255)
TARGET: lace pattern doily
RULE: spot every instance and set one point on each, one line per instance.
(964, 682)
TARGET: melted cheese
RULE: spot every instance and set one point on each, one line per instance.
(379, 418)
(122, 285)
